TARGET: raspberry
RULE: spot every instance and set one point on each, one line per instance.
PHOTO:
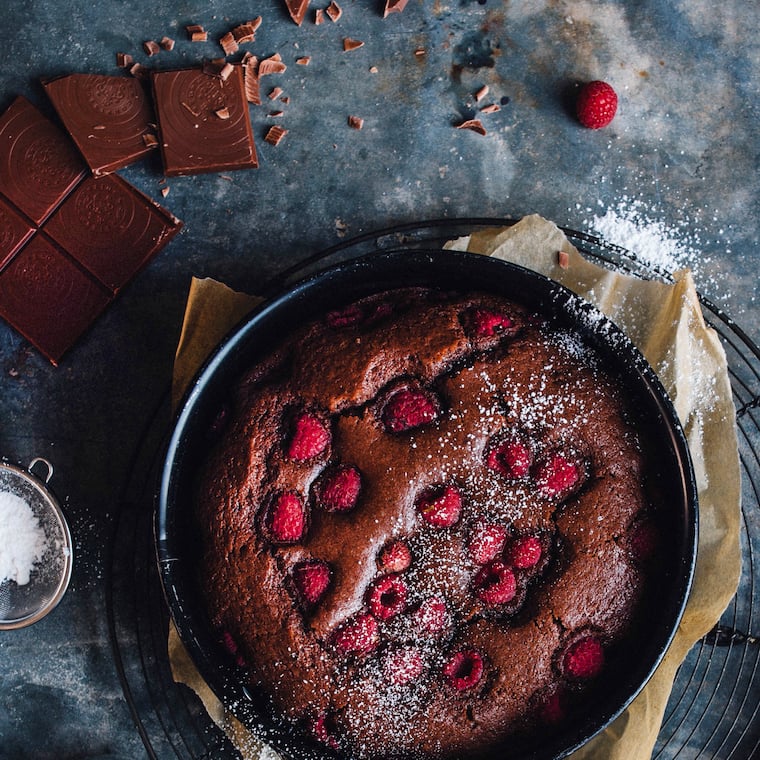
(338, 318)
(485, 323)
(286, 518)
(596, 104)
(395, 557)
(440, 506)
(485, 542)
(464, 669)
(311, 578)
(584, 658)
(643, 540)
(231, 646)
(338, 488)
(408, 408)
(309, 438)
(495, 583)
(402, 666)
(432, 617)
(387, 597)
(525, 552)
(557, 476)
(512, 459)
(325, 730)
(356, 636)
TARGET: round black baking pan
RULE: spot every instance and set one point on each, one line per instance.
(175, 533)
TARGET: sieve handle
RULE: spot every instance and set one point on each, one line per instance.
(43, 461)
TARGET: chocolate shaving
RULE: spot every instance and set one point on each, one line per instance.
(275, 93)
(394, 6)
(245, 32)
(251, 80)
(225, 72)
(474, 125)
(355, 122)
(276, 114)
(164, 191)
(124, 60)
(334, 11)
(138, 71)
(563, 259)
(167, 43)
(351, 44)
(271, 65)
(223, 113)
(275, 134)
(228, 43)
(319, 16)
(304, 60)
(297, 9)
(490, 108)
(196, 33)
(151, 47)
(150, 140)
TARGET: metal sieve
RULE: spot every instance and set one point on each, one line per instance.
(22, 604)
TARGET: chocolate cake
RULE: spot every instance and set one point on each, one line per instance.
(425, 525)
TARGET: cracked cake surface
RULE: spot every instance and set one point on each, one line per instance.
(424, 524)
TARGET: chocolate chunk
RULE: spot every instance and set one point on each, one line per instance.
(275, 135)
(334, 11)
(474, 125)
(48, 298)
(297, 9)
(107, 117)
(394, 6)
(193, 138)
(38, 165)
(111, 229)
(14, 232)
(351, 44)
(355, 122)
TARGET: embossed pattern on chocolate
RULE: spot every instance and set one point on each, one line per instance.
(420, 524)
(203, 121)
(107, 117)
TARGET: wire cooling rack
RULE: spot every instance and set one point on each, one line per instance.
(714, 709)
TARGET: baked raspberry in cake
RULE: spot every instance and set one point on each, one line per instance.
(421, 525)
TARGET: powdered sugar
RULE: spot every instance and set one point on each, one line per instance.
(22, 539)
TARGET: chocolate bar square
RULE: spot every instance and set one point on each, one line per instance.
(14, 232)
(39, 165)
(108, 117)
(203, 121)
(111, 228)
(48, 298)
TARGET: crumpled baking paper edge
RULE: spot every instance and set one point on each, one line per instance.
(665, 321)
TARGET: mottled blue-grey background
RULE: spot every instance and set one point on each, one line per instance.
(679, 162)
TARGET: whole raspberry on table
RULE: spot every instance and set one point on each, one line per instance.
(596, 104)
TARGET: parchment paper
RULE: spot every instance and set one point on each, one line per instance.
(666, 323)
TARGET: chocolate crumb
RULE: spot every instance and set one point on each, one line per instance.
(474, 125)
(481, 93)
(151, 47)
(334, 11)
(563, 259)
(167, 43)
(351, 44)
(419, 52)
(124, 60)
(285, 99)
(150, 140)
(319, 16)
(304, 60)
(138, 71)
(164, 191)
(355, 122)
(228, 43)
(275, 134)
(490, 108)
(223, 113)
(276, 114)
(275, 93)
(297, 9)
(394, 6)
(225, 72)
(373, 69)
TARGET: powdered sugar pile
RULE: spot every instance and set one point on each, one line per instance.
(22, 539)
